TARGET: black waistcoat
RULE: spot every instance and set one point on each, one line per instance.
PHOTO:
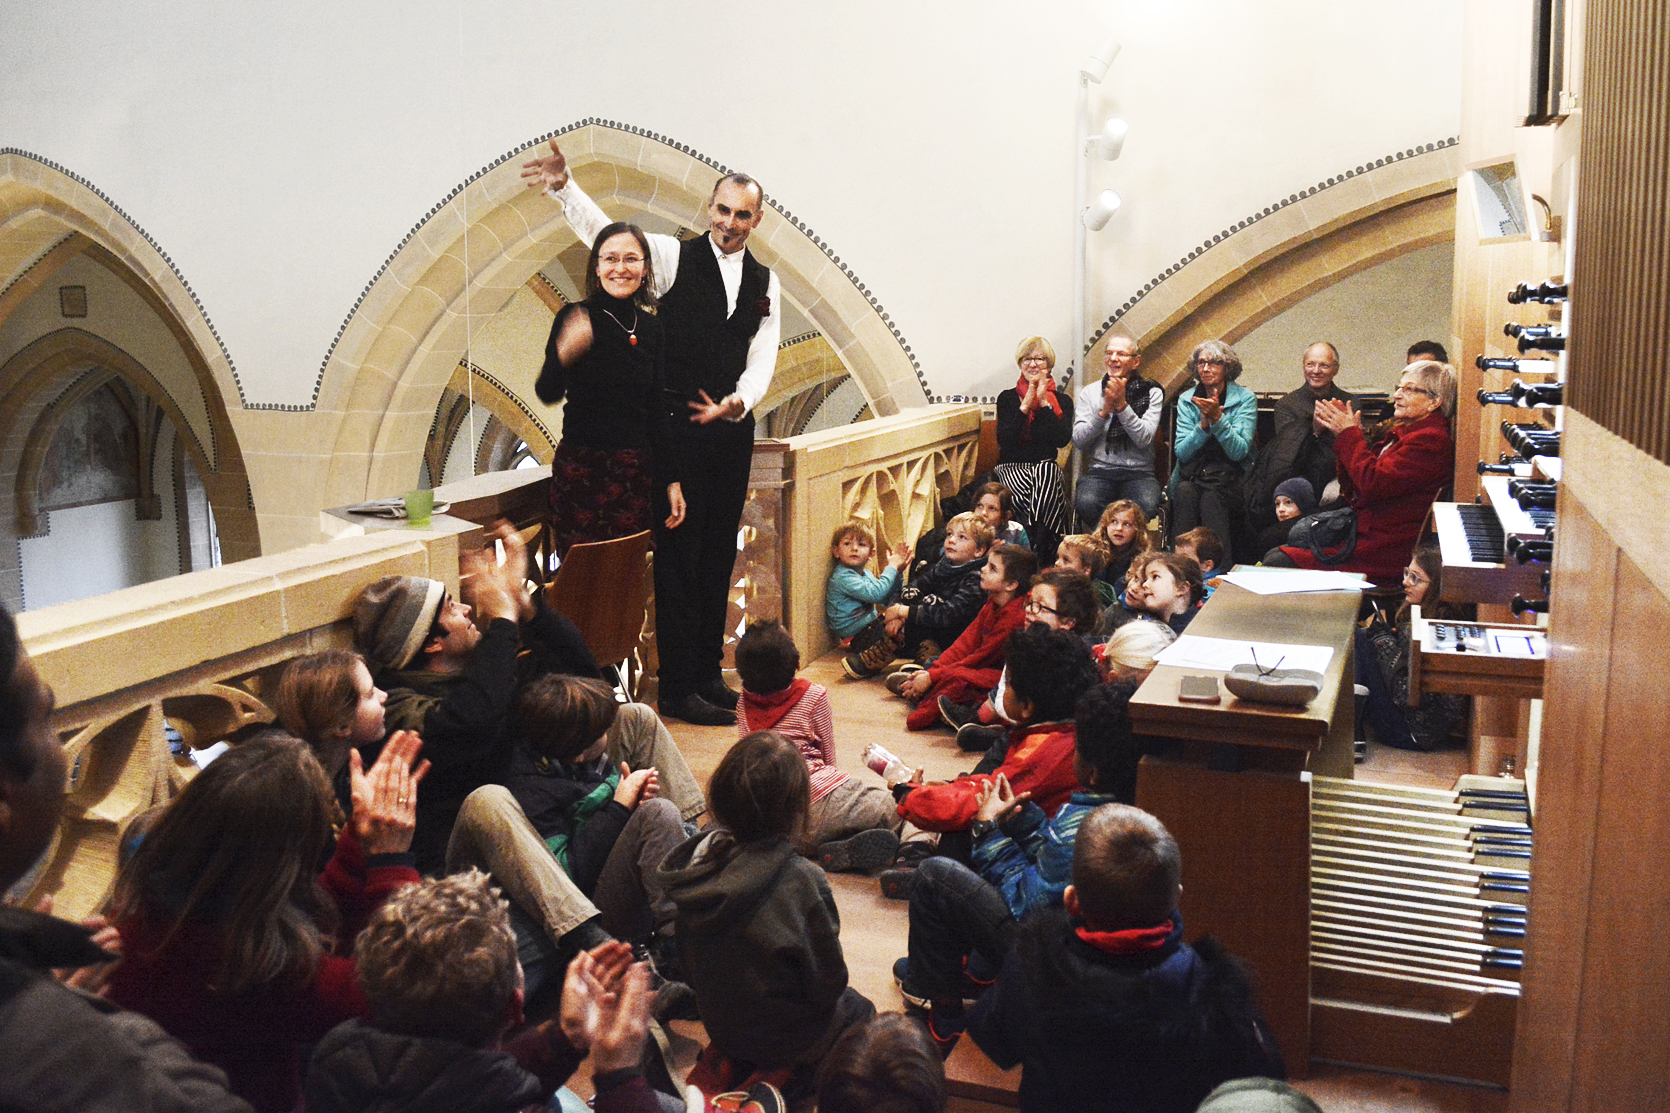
(706, 350)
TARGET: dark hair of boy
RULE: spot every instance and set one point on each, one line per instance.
(766, 658)
(1107, 751)
(761, 789)
(1206, 544)
(1020, 564)
(1049, 670)
(886, 1064)
(1183, 569)
(1127, 870)
(1075, 598)
(562, 716)
(1005, 500)
(438, 959)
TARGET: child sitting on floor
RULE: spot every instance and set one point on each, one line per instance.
(970, 668)
(758, 933)
(962, 920)
(936, 606)
(1087, 553)
(1059, 599)
(1208, 551)
(438, 967)
(1102, 1004)
(850, 825)
(1171, 590)
(1048, 671)
(1124, 529)
(1294, 499)
(994, 503)
(606, 826)
(850, 598)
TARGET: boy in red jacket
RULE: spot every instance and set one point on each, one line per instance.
(969, 669)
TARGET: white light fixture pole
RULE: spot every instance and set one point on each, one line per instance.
(1091, 216)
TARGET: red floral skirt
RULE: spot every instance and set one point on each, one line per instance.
(598, 494)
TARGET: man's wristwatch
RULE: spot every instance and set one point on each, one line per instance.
(980, 828)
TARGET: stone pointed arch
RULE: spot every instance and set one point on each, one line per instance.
(66, 366)
(47, 217)
(402, 344)
(1271, 260)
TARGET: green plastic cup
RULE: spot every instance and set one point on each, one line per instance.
(420, 507)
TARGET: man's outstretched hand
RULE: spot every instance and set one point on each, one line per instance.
(548, 172)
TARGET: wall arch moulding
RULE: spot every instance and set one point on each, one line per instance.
(1277, 257)
(65, 366)
(403, 341)
(48, 216)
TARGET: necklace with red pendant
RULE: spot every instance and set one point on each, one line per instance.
(631, 333)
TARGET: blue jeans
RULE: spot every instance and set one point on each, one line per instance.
(954, 912)
(1100, 486)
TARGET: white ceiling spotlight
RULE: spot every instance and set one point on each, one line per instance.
(1096, 66)
(1100, 211)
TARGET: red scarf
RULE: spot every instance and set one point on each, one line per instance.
(1021, 386)
(1131, 941)
(765, 712)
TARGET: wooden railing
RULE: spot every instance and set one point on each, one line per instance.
(144, 675)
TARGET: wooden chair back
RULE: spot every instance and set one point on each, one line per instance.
(603, 588)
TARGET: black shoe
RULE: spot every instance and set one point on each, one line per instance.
(862, 853)
(915, 852)
(958, 715)
(719, 694)
(694, 709)
(976, 739)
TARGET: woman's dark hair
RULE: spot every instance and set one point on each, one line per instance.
(1103, 738)
(240, 850)
(1020, 564)
(644, 295)
(1215, 349)
(885, 1064)
(1075, 598)
(562, 716)
(761, 789)
(1050, 669)
(766, 658)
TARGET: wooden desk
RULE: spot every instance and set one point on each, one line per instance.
(1238, 800)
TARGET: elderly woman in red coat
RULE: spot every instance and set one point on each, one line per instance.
(1392, 480)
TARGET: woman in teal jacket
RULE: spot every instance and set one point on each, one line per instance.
(1216, 422)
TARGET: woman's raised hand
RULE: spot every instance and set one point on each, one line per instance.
(385, 796)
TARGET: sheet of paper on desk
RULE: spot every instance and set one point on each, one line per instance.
(1284, 581)
(1222, 654)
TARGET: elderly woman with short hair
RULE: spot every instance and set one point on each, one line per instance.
(1034, 422)
(1216, 422)
(1391, 474)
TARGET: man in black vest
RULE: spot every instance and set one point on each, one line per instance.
(719, 310)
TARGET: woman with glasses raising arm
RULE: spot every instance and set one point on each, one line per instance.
(603, 361)
(1390, 475)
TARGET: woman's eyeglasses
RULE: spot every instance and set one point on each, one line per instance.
(1035, 607)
